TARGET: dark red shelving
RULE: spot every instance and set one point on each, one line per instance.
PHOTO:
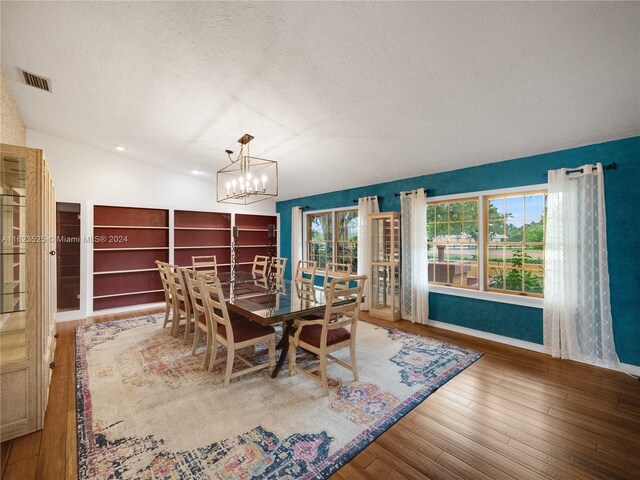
(127, 242)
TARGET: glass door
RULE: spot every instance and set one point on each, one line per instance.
(13, 186)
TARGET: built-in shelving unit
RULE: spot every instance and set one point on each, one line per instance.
(202, 233)
(254, 236)
(68, 255)
(126, 243)
(128, 240)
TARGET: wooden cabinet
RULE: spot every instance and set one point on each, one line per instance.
(202, 233)
(126, 243)
(385, 265)
(28, 269)
(255, 235)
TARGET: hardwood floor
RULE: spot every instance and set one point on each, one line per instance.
(514, 414)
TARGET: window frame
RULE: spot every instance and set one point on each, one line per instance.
(307, 229)
(486, 243)
(462, 222)
(482, 293)
(334, 241)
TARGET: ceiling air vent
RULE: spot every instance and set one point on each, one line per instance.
(36, 81)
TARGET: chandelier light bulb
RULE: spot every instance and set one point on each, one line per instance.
(255, 184)
(264, 182)
(228, 188)
(233, 184)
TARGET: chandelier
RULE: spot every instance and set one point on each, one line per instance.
(248, 179)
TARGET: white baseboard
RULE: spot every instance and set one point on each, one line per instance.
(514, 342)
(632, 369)
(70, 316)
(78, 315)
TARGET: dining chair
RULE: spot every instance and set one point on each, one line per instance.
(205, 263)
(233, 333)
(168, 301)
(278, 265)
(335, 270)
(335, 331)
(305, 272)
(180, 301)
(260, 266)
(198, 306)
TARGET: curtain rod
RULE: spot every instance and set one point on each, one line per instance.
(398, 194)
(302, 208)
(611, 166)
(355, 200)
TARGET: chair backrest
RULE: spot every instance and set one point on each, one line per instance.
(336, 270)
(162, 269)
(215, 308)
(193, 287)
(306, 272)
(179, 290)
(278, 264)
(260, 265)
(205, 263)
(343, 314)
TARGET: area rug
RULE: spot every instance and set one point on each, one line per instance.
(147, 409)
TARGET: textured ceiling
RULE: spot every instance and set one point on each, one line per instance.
(341, 94)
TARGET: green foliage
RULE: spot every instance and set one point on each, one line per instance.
(513, 278)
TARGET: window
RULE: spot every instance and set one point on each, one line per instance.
(347, 238)
(332, 237)
(514, 242)
(320, 238)
(452, 243)
(488, 243)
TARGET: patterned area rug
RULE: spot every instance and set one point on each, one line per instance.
(147, 409)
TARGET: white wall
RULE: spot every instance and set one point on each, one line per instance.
(12, 129)
(89, 176)
(86, 174)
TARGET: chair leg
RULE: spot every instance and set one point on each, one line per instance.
(187, 330)
(323, 374)
(207, 352)
(272, 352)
(227, 373)
(166, 316)
(196, 338)
(175, 323)
(214, 353)
(353, 360)
(292, 358)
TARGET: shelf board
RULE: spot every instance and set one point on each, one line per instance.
(204, 228)
(112, 272)
(197, 247)
(128, 249)
(138, 227)
(126, 293)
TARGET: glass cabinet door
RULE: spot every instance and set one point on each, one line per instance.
(381, 234)
(13, 335)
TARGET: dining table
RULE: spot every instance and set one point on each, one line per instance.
(273, 301)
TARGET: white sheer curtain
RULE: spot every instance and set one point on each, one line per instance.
(577, 309)
(415, 290)
(366, 205)
(296, 238)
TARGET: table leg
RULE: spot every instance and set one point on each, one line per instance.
(284, 346)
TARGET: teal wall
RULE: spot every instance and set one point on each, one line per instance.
(622, 195)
